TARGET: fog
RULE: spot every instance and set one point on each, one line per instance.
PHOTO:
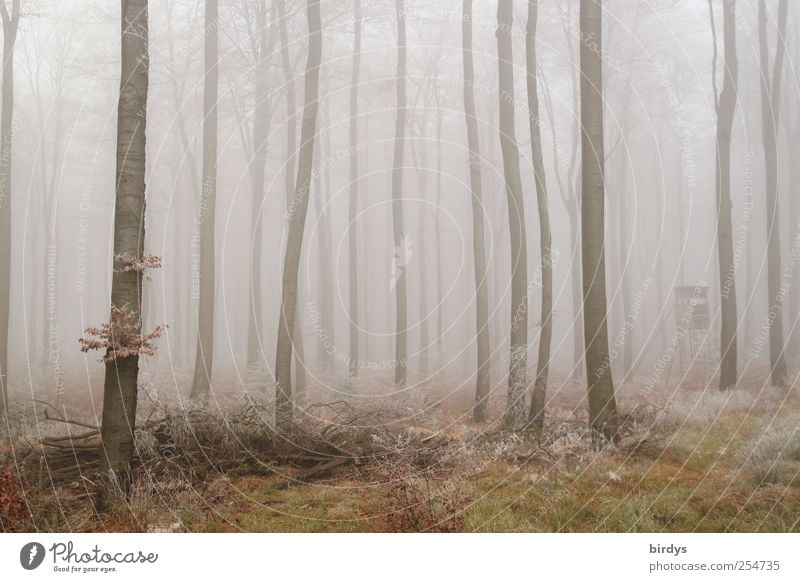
(660, 108)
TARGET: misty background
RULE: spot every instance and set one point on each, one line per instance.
(660, 221)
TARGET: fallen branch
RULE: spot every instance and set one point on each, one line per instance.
(67, 421)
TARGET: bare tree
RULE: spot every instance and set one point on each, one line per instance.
(483, 374)
(545, 237)
(10, 28)
(771, 82)
(518, 362)
(290, 176)
(204, 359)
(602, 403)
(298, 210)
(400, 242)
(569, 190)
(726, 109)
(122, 368)
(264, 41)
(358, 22)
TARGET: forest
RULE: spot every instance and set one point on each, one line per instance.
(407, 266)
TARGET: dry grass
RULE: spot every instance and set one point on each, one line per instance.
(688, 460)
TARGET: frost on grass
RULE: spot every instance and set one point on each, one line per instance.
(123, 337)
(774, 457)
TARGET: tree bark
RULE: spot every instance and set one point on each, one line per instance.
(727, 271)
(290, 176)
(121, 374)
(260, 134)
(518, 362)
(327, 291)
(420, 153)
(204, 358)
(545, 237)
(298, 209)
(483, 374)
(10, 28)
(399, 278)
(602, 403)
(353, 359)
(770, 122)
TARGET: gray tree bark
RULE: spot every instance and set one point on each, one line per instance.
(518, 362)
(483, 374)
(327, 361)
(290, 176)
(298, 209)
(121, 374)
(771, 83)
(204, 358)
(10, 28)
(602, 403)
(545, 237)
(352, 240)
(420, 153)
(727, 271)
(260, 134)
(400, 289)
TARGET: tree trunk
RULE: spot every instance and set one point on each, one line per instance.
(297, 211)
(518, 361)
(400, 243)
(545, 237)
(577, 293)
(204, 358)
(440, 344)
(121, 374)
(291, 148)
(352, 232)
(770, 122)
(727, 271)
(326, 260)
(483, 375)
(255, 354)
(602, 403)
(10, 27)
(420, 152)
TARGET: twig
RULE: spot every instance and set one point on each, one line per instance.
(67, 421)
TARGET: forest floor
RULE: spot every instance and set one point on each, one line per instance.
(692, 460)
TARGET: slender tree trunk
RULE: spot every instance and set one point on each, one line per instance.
(204, 358)
(770, 122)
(120, 391)
(291, 148)
(353, 202)
(624, 246)
(438, 235)
(518, 361)
(420, 151)
(400, 242)
(545, 237)
(602, 403)
(10, 27)
(260, 131)
(483, 375)
(326, 260)
(727, 271)
(298, 209)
